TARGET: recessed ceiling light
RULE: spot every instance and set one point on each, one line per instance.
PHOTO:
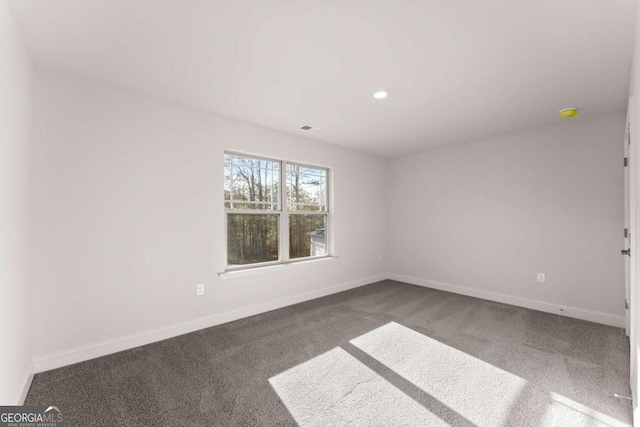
(380, 95)
(568, 112)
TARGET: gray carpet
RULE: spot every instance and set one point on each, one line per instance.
(386, 354)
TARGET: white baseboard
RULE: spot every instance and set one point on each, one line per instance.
(27, 385)
(103, 348)
(563, 310)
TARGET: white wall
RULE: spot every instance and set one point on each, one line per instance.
(487, 216)
(128, 218)
(15, 99)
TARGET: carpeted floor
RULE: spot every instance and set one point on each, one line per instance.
(386, 354)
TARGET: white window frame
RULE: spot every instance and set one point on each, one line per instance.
(283, 214)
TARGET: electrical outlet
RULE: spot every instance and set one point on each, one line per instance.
(541, 278)
(200, 289)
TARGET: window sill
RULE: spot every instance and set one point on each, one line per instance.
(252, 271)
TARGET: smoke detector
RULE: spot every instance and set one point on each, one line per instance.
(568, 112)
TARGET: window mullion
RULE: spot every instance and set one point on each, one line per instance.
(231, 182)
(284, 215)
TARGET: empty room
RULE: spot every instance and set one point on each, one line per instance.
(331, 213)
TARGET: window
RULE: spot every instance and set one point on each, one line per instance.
(276, 211)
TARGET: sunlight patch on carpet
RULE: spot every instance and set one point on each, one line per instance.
(475, 389)
(482, 393)
(563, 411)
(335, 389)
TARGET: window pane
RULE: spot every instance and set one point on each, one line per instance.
(251, 183)
(251, 239)
(307, 235)
(306, 188)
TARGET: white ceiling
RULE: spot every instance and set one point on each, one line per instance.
(455, 70)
